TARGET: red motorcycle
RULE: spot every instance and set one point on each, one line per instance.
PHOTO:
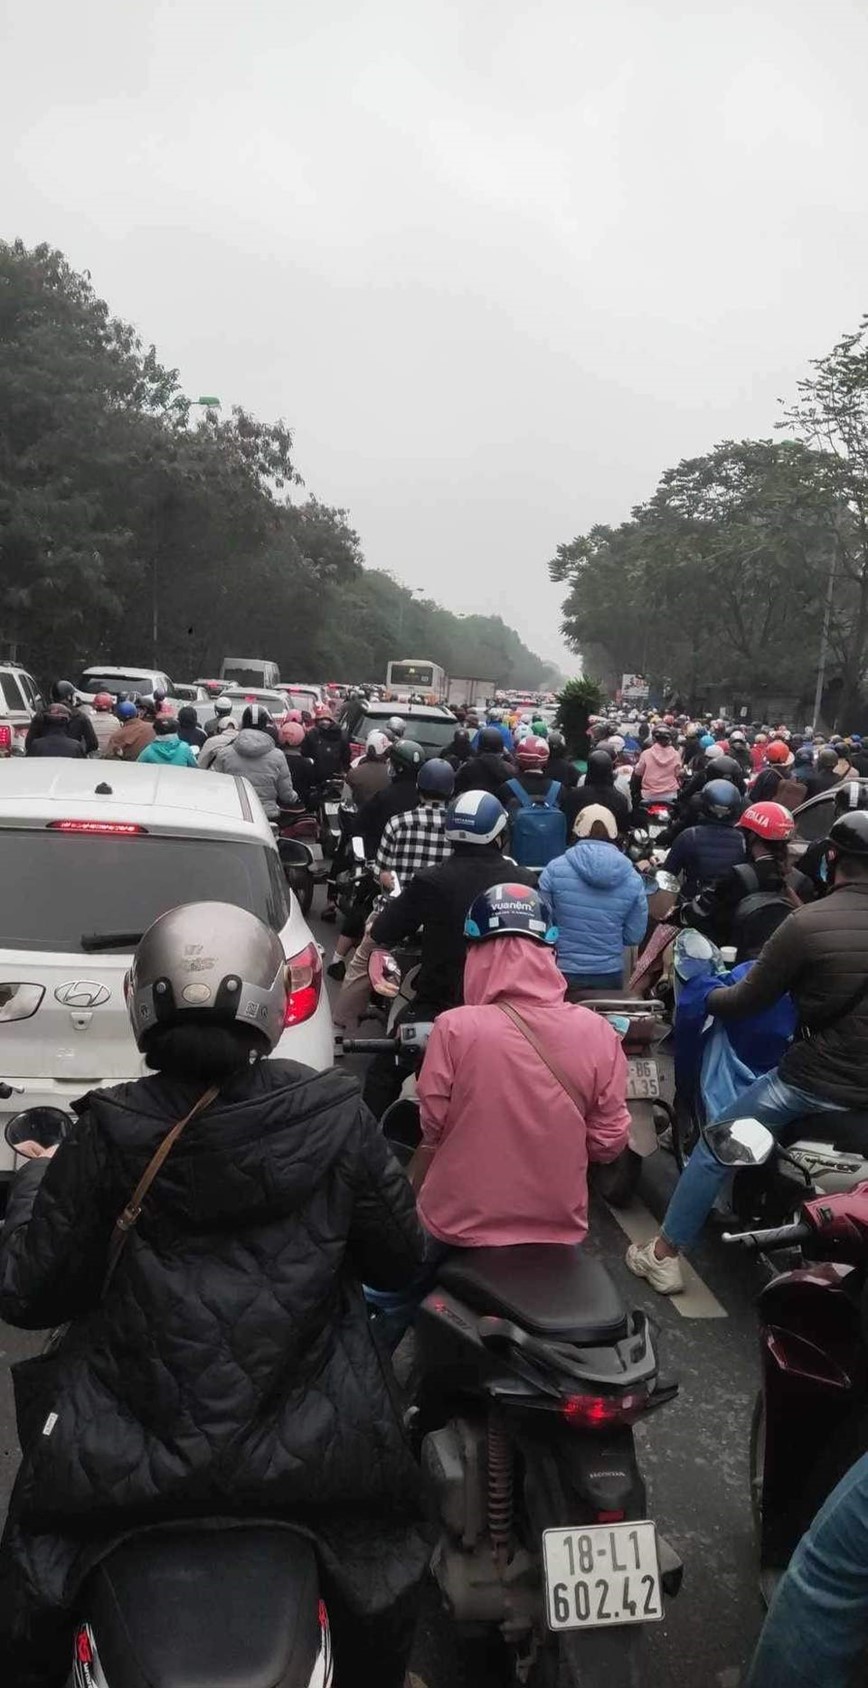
(811, 1417)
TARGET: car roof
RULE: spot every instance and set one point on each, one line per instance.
(161, 799)
(422, 711)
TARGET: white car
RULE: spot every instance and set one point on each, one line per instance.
(91, 853)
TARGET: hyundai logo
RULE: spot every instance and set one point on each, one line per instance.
(82, 993)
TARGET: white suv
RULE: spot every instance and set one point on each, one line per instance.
(19, 700)
(91, 853)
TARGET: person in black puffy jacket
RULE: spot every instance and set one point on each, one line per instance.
(228, 1367)
(56, 738)
(703, 852)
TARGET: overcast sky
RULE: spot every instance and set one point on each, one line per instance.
(498, 263)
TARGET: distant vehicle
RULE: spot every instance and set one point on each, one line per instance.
(161, 836)
(430, 724)
(212, 687)
(468, 692)
(19, 700)
(241, 697)
(300, 696)
(815, 817)
(249, 671)
(416, 677)
(116, 680)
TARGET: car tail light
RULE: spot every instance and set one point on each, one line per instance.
(597, 1412)
(304, 978)
(5, 737)
(19, 1002)
(115, 829)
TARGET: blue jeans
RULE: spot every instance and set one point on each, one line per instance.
(817, 1625)
(770, 1100)
(395, 1309)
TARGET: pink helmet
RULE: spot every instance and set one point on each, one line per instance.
(291, 733)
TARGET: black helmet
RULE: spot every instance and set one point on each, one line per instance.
(721, 800)
(63, 691)
(406, 754)
(725, 768)
(510, 911)
(557, 743)
(256, 715)
(490, 740)
(435, 778)
(601, 770)
(849, 835)
(662, 735)
(850, 796)
(827, 758)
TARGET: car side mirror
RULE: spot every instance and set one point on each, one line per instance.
(739, 1142)
(293, 853)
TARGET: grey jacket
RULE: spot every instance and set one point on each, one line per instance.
(218, 741)
(256, 757)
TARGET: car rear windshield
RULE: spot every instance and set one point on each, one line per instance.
(115, 683)
(432, 735)
(56, 886)
(274, 702)
(239, 674)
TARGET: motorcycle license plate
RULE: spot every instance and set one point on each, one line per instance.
(602, 1574)
(642, 1080)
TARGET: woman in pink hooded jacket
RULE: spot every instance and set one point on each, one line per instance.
(511, 1144)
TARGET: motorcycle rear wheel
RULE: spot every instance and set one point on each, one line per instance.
(614, 1658)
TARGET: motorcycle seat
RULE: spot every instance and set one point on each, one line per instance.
(233, 1607)
(550, 1289)
(847, 1129)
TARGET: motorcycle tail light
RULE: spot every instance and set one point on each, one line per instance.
(19, 1002)
(83, 1647)
(304, 979)
(598, 1412)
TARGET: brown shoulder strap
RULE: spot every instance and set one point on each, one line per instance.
(556, 1071)
(129, 1217)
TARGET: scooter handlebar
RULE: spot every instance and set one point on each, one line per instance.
(367, 1046)
(780, 1236)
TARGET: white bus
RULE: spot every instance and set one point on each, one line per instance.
(416, 677)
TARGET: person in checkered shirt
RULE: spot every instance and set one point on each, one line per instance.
(416, 839)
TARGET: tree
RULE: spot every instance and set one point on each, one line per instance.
(579, 700)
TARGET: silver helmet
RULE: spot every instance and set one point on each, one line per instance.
(213, 960)
(396, 726)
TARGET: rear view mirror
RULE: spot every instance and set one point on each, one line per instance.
(293, 853)
(739, 1142)
(666, 882)
(47, 1126)
(358, 849)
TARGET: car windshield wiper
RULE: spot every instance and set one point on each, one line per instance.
(92, 941)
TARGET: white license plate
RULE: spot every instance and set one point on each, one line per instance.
(602, 1574)
(642, 1080)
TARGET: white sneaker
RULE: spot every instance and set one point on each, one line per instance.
(663, 1275)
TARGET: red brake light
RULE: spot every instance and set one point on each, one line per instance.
(304, 977)
(5, 736)
(610, 1517)
(356, 749)
(596, 1412)
(116, 829)
(83, 1648)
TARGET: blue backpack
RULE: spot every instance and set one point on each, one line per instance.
(538, 829)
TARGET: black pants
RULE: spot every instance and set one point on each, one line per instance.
(386, 1074)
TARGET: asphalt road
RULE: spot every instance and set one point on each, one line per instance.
(694, 1453)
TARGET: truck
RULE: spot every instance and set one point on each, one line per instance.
(470, 693)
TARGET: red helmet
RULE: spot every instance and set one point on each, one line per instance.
(532, 752)
(778, 752)
(768, 820)
(103, 701)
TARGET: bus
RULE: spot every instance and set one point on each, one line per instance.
(416, 677)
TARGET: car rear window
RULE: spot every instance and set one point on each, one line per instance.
(432, 735)
(814, 821)
(115, 683)
(55, 886)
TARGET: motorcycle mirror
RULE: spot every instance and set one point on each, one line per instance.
(358, 848)
(293, 853)
(666, 882)
(696, 955)
(739, 1142)
(47, 1126)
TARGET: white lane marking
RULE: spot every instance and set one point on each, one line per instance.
(697, 1301)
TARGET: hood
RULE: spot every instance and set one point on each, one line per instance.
(251, 742)
(165, 749)
(515, 969)
(599, 864)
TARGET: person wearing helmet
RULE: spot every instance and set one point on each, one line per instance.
(215, 742)
(232, 1325)
(166, 748)
(489, 767)
(657, 774)
(822, 776)
(701, 853)
(396, 727)
(598, 788)
(189, 730)
(222, 714)
(80, 722)
(370, 773)
(253, 755)
(738, 749)
(55, 740)
(559, 766)
(135, 733)
(599, 902)
(483, 739)
(405, 758)
(505, 1146)
(459, 750)
(327, 747)
(777, 781)
(820, 956)
(103, 720)
(290, 737)
(416, 838)
(532, 799)
(748, 902)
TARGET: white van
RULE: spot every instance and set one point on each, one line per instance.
(250, 671)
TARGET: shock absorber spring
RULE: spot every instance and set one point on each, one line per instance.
(500, 1487)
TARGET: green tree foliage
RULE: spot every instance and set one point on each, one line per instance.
(131, 533)
(577, 702)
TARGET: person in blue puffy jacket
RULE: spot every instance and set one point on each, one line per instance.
(599, 903)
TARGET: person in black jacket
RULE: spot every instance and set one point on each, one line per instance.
(488, 768)
(228, 1368)
(189, 730)
(406, 758)
(705, 851)
(560, 768)
(328, 750)
(598, 788)
(55, 738)
(80, 725)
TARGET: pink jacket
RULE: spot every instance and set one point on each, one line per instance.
(659, 766)
(512, 1151)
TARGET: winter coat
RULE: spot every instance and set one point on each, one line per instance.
(366, 777)
(129, 741)
(105, 725)
(599, 906)
(702, 853)
(80, 727)
(56, 741)
(328, 750)
(580, 797)
(659, 768)
(512, 1152)
(485, 772)
(230, 1368)
(217, 742)
(170, 751)
(256, 757)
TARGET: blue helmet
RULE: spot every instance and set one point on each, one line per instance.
(721, 800)
(436, 778)
(510, 911)
(125, 710)
(475, 817)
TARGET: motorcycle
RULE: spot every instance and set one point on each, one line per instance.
(333, 815)
(639, 1024)
(810, 1420)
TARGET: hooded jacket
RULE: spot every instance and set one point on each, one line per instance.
(599, 906)
(230, 1367)
(511, 1149)
(56, 741)
(217, 742)
(485, 772)
(127, 744)
(659, 768)
(255, 756)
(169, 749)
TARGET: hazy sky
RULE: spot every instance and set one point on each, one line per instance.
(498, 264)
